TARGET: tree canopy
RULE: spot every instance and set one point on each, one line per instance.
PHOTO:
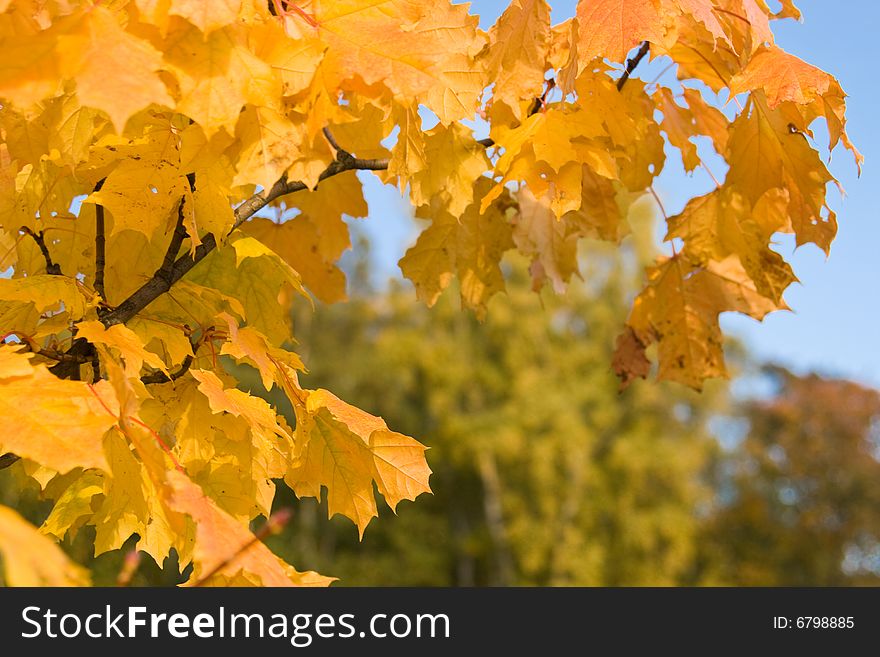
(174, 180)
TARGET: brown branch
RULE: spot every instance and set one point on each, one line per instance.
(79, 352)
(178, 236)
(631, 64)
(336, 147)
(538, 103)
(100, 245)
(161, 377)
(51, 267)
(158, 285)
(8, 459)
(61, 356)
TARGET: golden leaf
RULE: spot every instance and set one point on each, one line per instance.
(59, 424)
(31, 559)
(346, 450)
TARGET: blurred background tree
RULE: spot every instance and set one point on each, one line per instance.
(799, 497)
(543, 473)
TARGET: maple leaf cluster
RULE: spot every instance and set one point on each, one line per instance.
(138, 139)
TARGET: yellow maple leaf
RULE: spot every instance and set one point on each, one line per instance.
(224, 548)
(31, 559)
(74, 506)
(218, 74)
(549, 241)
(248, 345)
(207, 16)
(270, 144)
(408, 154)
(115, 71)
(722, 223)
(682, 124)
(47, 292)
(611, 28)
(124, 342)
(679, 309)
(297, 241)
(255, 411)
(454, 161)
(130, 505)
(254, 275)
(517, 55)
(405, 45)
(59, 424)
(347, 450)
(471, 245)
(786, 78)
(765, 153)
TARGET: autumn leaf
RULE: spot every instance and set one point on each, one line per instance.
(722, 223)
(347, 450)
(225, 550)
(611, 28)
(124, 342)
(786, 78)
(100, 50)
(31, 559)
(472, 246)
(679, 311)
(518, 53)
(37, 409)
(406, 46)
(551, 242)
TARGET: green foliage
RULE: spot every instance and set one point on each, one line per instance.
(544, 473)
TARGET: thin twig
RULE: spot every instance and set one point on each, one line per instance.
(161, 377)
(60, 356)
(179, 234)
(51, 267)
(52, 354)
(537, 105)
(632, 62)
(100, 245)
(274, 524)
(334, 143)
(158, 285)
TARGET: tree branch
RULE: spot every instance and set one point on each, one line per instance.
(334, 143)
(538, 103)
(158, 285)
(632, 62)
(8, 459)
(178, 236)
(51, 267)
(61, 356)
(100, 245)
(161, 377)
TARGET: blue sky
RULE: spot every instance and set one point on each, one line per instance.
(835, 324)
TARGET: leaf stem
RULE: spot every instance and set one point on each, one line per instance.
(51, 266)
